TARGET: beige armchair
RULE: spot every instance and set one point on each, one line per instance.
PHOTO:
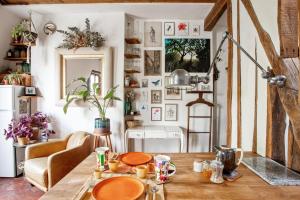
(47, 163)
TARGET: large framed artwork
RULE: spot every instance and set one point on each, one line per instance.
(193, 55)
(156, 113)
(171, 112)
(152, 63)
(153, 34)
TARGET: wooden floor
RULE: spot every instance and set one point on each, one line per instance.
(18, 189)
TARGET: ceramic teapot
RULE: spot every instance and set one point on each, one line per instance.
(227, 157)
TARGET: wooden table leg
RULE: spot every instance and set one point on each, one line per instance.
(110, 144)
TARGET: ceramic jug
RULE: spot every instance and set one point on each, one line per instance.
(227, 157)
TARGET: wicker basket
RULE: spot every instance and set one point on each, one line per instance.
(133, 123)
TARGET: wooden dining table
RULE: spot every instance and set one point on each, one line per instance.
(185, 184)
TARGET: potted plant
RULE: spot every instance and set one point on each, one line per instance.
(91, 94)
(40, 122)
(19, 130)
(5, 80)
(17, 33)
(14, 78)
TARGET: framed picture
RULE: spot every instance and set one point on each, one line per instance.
(156, 113)
(144, 83)
(144, 95)
(143, 107)
(182, 28)
(156, 96)
(173, 94)
(153, 34)
(169, 28)
(193, 55)
(30, 91)
(171, 112)
(195, 30)
(152, 63)
(155, 82)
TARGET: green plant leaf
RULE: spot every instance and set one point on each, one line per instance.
(66, 106)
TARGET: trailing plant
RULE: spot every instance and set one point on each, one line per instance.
(76, 38)
(17, 31)
(90, 94)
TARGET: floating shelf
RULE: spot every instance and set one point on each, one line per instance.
(22, 44)
(135, 87)
(132, 41)
(28, 97)
(132, 56)
(131, 71)
(16, 59)
(135, 115)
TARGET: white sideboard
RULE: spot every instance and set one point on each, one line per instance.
(154, 132)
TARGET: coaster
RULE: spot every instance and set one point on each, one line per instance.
(233, 176)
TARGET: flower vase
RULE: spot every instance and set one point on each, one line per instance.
(22, 141)
(35, 133)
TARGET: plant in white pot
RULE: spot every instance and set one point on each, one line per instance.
(91, 94)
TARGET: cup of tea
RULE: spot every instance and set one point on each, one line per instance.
(102, 157)
(113, 165)
(163, 168)
(141, 171)
(97, 173)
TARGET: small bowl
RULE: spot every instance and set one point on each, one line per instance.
(113, 165)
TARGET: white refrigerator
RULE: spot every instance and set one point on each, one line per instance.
(11, 106)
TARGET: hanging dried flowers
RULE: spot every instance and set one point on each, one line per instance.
(76, 38)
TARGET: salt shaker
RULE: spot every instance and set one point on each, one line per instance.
(217, 172)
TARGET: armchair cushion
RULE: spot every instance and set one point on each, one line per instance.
(76, 139)
(36, 169)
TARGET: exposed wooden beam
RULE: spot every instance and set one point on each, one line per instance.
(288, 28)
(288, 94)
(239, 80)
(214, 15)
(14, 2)
(229, 76)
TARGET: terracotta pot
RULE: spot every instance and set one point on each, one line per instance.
(5, 82)
(26, 80)
(23, 141)
(35, 133)
(14, 82)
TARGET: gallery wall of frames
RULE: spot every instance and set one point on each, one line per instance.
(153, 49)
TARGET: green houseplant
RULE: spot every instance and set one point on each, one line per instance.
(14, 78)
(91, 94)
(17, 32)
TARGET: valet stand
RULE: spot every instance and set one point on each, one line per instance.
(97, 137)
(200, 100)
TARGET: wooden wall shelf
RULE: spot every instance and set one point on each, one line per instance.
(131, 71)
(132, 56)
(21, 44)
(132, 41)
(16, 59)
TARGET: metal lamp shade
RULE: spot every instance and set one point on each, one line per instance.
(180, 79)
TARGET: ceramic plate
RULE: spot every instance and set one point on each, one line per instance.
(135, 158)
(118, 188)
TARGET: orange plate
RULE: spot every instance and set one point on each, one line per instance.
(135, 158)
(118, 188)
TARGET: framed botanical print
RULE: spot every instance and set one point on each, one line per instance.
(153, 34)
(156, 96)
(171, 112)
(169, 28)
(144, 83)
(182, 28)
(156, 113)
(194, 29)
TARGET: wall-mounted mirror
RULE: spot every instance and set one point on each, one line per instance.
(93, 65)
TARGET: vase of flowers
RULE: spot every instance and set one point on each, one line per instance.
(91, 94)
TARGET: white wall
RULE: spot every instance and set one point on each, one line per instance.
(44, 71)
(267, 15)
(5, 37)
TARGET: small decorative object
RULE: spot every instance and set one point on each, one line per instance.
(49, 28)
(102, 157)
(217, 172)
(113, 165)
(198, 166)
(156, 113)
(171, 112)
(91, 95)
(152, 63)
(206, 169)
(155, 82)
(27, 80)
(194, 30)
(30, 91)
(144, 97)
(9, 53)
(156, 96)
(163, 168)
(169, 28)
(76, 38)
(205, 87)
(144, 83)
(182, 28)
(127, 80)
(133, 83)
(143, 107)
(153, 34)
(193, 55)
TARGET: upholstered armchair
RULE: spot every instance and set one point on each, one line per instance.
(47, 163)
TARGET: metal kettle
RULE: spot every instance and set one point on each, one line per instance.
(227, 157)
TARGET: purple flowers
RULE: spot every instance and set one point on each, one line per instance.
(23, 126)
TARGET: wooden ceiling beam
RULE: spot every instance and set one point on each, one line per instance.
(22, 2)
(215, 14)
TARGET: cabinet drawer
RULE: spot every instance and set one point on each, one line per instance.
(156, 134)
(135, 134)
(174, 134)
